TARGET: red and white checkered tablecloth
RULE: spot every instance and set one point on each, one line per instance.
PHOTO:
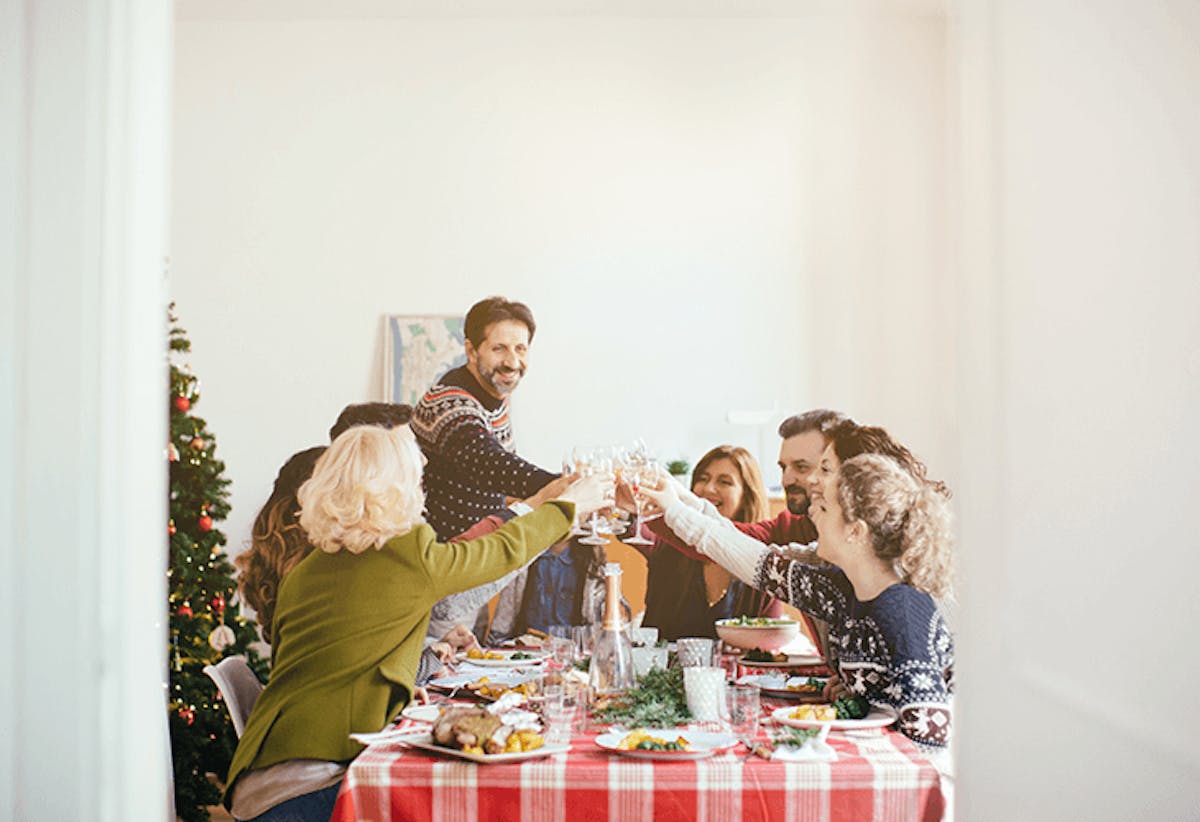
(878, 777)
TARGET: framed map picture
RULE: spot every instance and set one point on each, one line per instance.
(417, 350)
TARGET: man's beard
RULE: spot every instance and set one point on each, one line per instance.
(798, 507)
(488, 376)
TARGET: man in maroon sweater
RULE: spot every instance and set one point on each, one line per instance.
(804, 440)
(799, 454)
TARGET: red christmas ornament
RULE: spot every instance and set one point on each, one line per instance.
(218, 603)
(171, 528)
(185, 610)
(188, 715)
(183, 404)
(205, 523)
(198, 444)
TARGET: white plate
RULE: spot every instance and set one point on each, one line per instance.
(507, 661)
(792, 662)
(422, 713)
(425, 742)
(880, 717)
(704, 744)
(776, 685)
(508, 679)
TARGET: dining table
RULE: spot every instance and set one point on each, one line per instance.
(876, 775)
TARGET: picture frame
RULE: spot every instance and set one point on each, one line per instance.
(419, 348)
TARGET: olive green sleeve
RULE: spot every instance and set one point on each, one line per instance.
(459, 566)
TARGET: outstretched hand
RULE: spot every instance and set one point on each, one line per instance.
(664, 494)
(590, 494)
(460, 638)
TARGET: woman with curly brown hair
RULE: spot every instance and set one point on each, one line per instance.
(886, 535)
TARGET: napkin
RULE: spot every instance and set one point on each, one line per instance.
(812, 752)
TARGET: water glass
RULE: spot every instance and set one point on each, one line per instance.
(704, 688)
(562, 651)
(745, 707)
(583, 637)
(644, 637)
(646, 658)
(560, 707)
(694, 651)
(563, 631)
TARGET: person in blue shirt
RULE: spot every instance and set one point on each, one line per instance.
(560, 587)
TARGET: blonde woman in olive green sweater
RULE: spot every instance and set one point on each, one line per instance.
(350, 618)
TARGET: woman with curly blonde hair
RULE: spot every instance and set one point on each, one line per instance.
(350, 617)
(887, 536)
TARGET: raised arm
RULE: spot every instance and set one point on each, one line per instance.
(472, 447)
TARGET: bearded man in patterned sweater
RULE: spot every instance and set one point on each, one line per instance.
(463, 426)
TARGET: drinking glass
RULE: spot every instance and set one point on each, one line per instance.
(745, 707)
(694, 652)
(704, 688)
(563, 631)
(562, 650)
(583, 636)
(639, 472)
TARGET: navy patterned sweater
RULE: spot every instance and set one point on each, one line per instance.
(467, 438)
(894, 649)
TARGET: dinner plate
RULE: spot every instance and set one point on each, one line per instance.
(507, 661)
(880, 716)
(704, 744)
(509, 679)
(775, 685)
(422, 713)
(792, 662)
(425, 742)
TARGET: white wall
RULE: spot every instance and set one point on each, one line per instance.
(1081, 372)
(679, 199)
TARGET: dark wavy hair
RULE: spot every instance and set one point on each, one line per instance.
(494, 310)
(850, 439)
(382, 414)
(277, 541)
(819, 419)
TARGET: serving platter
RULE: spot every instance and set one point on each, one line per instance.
(424, 742)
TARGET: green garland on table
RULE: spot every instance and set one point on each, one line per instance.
(656, 701)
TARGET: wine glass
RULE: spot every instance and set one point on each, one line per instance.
(572, 463)
(645, 472)
(639, 471)
(594, 463)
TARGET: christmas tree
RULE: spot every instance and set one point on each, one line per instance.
(204, 628)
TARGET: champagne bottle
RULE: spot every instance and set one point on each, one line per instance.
(611, 669)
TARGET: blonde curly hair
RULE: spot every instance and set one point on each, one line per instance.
(909, 520)
(365, 489)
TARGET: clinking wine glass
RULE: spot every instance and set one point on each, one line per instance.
(573, 464)
(639, 472)
(593, 463)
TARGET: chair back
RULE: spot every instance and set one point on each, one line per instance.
(239, 688)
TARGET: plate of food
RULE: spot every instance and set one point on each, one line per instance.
(782, 686)
(492, 658)
(665, 743)
(757, 632)
(477, 735)
(847, 714)
(763, 658)
(488, 687)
